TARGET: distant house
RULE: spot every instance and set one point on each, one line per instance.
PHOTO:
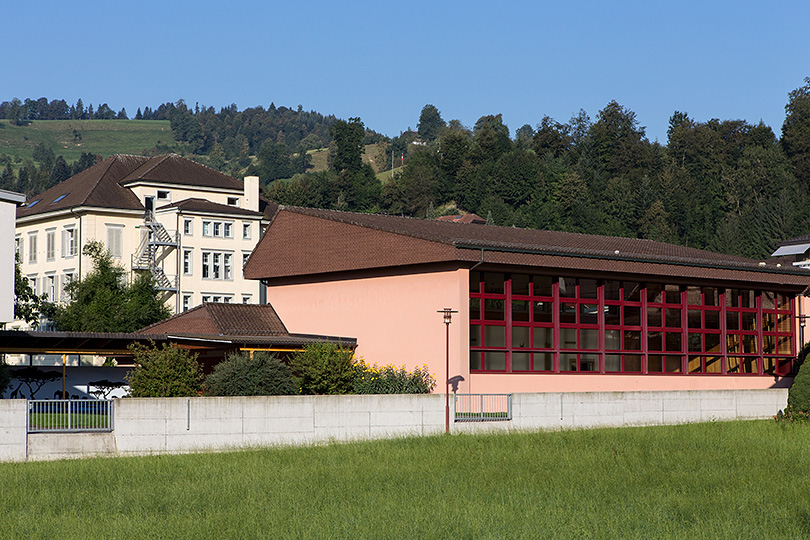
(192, 227)
(464, 218)
(537, 310)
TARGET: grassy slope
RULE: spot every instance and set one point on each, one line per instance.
(105, 137)
(718, 480)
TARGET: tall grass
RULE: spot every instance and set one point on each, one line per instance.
(720, 480)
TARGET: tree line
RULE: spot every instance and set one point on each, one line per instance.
(724, 185)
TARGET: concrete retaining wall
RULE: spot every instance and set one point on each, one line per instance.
(12, 429)
(177, 425)
(568, 410)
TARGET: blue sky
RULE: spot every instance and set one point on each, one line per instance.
(384, 61)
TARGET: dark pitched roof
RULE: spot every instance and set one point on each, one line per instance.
(804, 239)
(202, 205)
(173, 169)
(97, 186)
(303, 241)
(237, 323)
(223, 320)
(104, 184)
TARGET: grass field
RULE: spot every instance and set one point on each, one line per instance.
(719, 480)
(105, 137)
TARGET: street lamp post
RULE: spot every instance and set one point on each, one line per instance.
(448, 317)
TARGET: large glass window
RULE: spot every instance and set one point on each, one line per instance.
(538, 323)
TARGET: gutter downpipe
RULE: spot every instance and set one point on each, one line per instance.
(479, 263)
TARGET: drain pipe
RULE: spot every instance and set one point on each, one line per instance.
(479, 263)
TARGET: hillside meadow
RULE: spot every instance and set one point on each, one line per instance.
(105, 137)
(715, 480)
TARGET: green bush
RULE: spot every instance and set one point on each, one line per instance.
(164, 372)
(242, 375)
(799, 393)
(324, 368)
(392, 380)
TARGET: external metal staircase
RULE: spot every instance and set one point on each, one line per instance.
(155, 246)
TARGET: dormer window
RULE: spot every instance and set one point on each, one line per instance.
(164, 195)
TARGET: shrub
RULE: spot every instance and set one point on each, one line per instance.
(799, 393)
(164, 372)
(392, 380)
(324, 368)
(242, 375)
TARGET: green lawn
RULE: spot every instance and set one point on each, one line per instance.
(718, 480)
(105, 137)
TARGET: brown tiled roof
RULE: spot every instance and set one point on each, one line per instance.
(97, 186)
(104, 184)
(238, 323)
(202, 205)
(804, 239)
(222, 320)
(173, 169)
(303, 241)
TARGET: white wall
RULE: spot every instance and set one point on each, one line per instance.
(8, 216)
(178, 425)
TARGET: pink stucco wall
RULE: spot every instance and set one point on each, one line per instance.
(394, 318)
(395, 321)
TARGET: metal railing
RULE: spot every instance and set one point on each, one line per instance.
(483, 407)
(68, 415)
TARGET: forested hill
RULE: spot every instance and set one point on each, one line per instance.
(725, 185)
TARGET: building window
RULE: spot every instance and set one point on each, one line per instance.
(32, 282)
(32, 248)
(187, 268)
(216, 299)
(67, 279)
(115, 234)
(227, 299)
(188, 227)
(217, 265)
(186, 302)
(246, 298)
(233, 201)
(50, 245)
(206, 299)
(163, 195)
(69, 242)
(535, 323)
(218, 229)
(50, 288)
(246, 231)
(18, 248)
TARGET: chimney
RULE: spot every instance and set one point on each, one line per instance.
(252, 193)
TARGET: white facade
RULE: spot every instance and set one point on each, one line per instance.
(212, 229)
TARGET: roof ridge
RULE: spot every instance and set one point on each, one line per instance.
(112, 159)
(160, 160)
(176, 315)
